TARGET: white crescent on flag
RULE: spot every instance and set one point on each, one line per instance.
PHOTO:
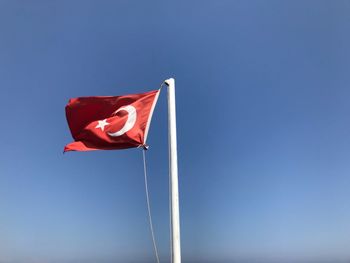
(129, 123)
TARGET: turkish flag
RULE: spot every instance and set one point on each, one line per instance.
(111, 122)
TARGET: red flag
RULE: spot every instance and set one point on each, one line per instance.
(113, 122)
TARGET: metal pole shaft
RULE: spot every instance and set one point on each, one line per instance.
(175, 214)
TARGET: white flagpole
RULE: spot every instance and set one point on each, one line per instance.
(175, 214)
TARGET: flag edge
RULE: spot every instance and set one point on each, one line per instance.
(150, 116)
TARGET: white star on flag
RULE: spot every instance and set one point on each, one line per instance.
(102, 124)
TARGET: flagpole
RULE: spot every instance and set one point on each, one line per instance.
(175, 214)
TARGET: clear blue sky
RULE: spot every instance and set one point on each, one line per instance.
(263, 130)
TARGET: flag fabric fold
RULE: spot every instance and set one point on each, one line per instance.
(110, 122)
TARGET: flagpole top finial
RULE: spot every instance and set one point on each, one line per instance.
(169, 82)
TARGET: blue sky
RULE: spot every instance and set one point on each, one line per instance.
(263, 130)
